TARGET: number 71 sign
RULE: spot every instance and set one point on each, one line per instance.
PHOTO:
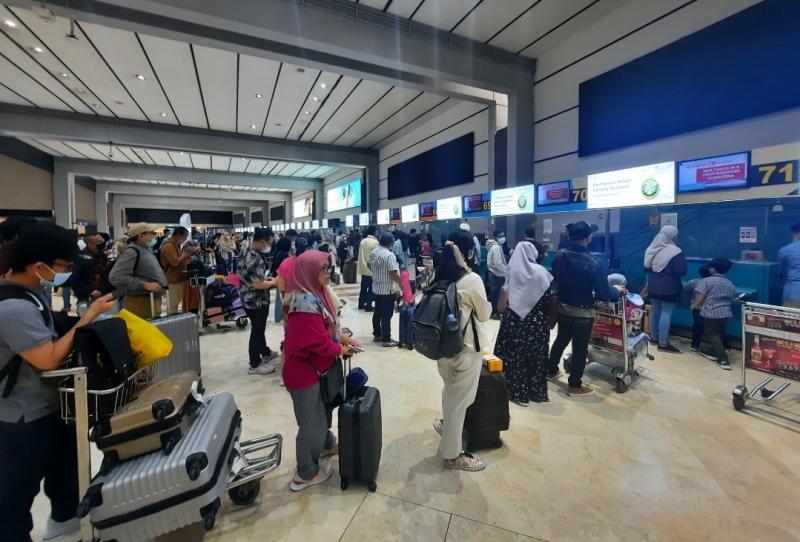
(775, 173)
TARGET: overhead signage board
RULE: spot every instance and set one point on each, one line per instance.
(715, 173)
(409, 213)
(477, 205)
(449, 208)
(363, 219)
(348, 221)
(517, 200)
(645, 185)
(427, 211)
(383, 217)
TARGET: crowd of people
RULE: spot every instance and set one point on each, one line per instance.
(515, 287)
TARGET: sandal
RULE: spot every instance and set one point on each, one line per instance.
(438, 425)
(465, 461)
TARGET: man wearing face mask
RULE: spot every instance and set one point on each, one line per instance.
(253, 268)
(137, 273)
(35, 443)
(497, 268)
(86, 279)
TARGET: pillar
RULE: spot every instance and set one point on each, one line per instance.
(116, 219)
(319, 203)
(101, 210)
(520, 132)
(372, 182)
(63, 195)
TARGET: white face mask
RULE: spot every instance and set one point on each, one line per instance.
(81, 244)
(501, 240)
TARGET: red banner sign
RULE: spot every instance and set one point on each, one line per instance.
(772, 342)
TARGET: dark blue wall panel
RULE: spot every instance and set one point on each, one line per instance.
(447, 165)
(741, 67)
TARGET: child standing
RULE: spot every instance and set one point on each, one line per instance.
(713, 297)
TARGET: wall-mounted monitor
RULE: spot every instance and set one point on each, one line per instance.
(315, 224)
(645, 185)
(325, 223)
(449, 164)
(344, 196)
(363, 219)
(394, 216)
(715, 173)
(307, 225)
(383, 217)
(517, 200)
(477, 205)
(410, 213)
(302, 208)
(276, 213)
(553, 193)
(348, 221)
(448, 208)
(427, 211)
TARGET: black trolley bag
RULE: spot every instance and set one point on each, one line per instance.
(155, 494)
(488, 415)
(360, 437)
(406, 329)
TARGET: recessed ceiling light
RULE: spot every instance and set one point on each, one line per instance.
(80, 90)
(306, 112)
(163, 114)
(323, 85)
(253, 126)
(259, 96)
(64, 75)
(97, 106)
(38, 49)
(182, 153)
(315, 98)
(140, 77)
(301, 70)
(9, 23)
(278, 124)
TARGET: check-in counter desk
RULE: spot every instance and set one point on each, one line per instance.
(759, 280)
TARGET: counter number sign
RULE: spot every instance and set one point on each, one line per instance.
(774, 173)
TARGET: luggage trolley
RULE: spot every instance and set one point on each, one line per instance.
(209, 316)
(771, 346)
(84, 407)
(617, 342)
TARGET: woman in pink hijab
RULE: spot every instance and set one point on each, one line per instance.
(311, 347)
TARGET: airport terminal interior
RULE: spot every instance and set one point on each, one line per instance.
(608, 182)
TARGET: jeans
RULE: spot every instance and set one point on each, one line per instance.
(460, 376)
(495, 284)
(661, 320)
(579, 332)
(66, 295)
(258, 341)
(44, 448)
(715, 332)
(382, 317)
(365, 296)
(313, 434)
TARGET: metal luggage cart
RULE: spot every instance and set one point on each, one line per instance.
(424, 272)
(224, 315)
(616, 342)
(770, 346)
(80, 405)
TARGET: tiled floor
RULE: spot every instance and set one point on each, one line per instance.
(670, 460)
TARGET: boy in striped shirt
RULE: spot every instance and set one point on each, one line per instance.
(714, 296)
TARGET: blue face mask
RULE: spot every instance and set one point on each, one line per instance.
(58, 279)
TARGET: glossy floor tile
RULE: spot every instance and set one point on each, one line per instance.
(670, 460)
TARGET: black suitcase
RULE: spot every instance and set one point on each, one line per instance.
(406, 330)
(349, 272)
(488, 415)
(360, 438)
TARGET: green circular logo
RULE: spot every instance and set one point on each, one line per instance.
(650, 188)
(456, 209)
(522, 201)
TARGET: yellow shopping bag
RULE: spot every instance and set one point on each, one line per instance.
(148, 343)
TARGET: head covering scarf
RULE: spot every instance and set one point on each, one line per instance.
(617, 279)
(662, 249)
(527, 280)
(305, 277)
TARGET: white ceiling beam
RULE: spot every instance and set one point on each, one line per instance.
(168, 192)
(143, 202)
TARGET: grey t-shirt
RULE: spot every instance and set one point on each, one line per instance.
(22, 328)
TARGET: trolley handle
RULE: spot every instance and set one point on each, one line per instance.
(61, 373)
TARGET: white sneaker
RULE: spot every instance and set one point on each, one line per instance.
(62, 528)
(263, 369)
(266, 358)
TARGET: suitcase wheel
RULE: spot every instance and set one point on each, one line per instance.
(372, 486)
(162, 409)
(241, 322)
(498, 444)
(344, 484)
(246, 493)
(209, 514)
(195, 464)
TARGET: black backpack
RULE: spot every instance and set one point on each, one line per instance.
(436, 325)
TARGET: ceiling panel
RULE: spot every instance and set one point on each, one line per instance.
(445, 14)
(377, 4)
(19, 49)
(83, 62)
(93, 152)
(172, 61)
(338, 94)
(322, 171)
(305, 170)
(392, 102)
(313, 103)
(143, 155)
(486, 19)
(58, 146)
(40, 146)
(275, 168)
(255, 166)
(17, 81)
(237, 164)
(130, 153)
(291, 169)
(290, 94)
(217, 72)
(220, 163)
(114, 154)
(420, 106)
(161, 158)
(122, 51)
(256, 77)
(366, 93)
(6, 96)
(268, 167)
(404, 8)
(180, 158)
(200, 161)
(536, 22)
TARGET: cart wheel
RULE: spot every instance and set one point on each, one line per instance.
(622, 387)
(410, 347)
(246, 493)
(499, 443)
(372, 486)
(241, 322)
(209, 521)
(765, 392)
(344, 484)
(650, 356)
(738, 401)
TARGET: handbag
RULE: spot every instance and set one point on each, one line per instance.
(331, 384)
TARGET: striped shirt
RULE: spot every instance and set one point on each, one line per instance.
(383, 261)
(719, 292)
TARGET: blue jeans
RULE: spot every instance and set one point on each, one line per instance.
(66, 296)
(661, 320)
(495, 285)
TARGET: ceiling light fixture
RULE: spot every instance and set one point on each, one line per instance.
(315, 98)
(140, 77)
(253, 126)
(182, 153)
(38, 49)
(259, 96)
(306, 112)
(163, 114)
(323, 85)
(64, 75)
(9, 23)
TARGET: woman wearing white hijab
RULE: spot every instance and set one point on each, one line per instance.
(665, 265)
(524, 337)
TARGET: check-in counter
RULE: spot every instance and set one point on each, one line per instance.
(759, 280)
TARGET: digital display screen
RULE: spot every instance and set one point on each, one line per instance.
(383, 217)
(716, 173)
(345, 196)
(553, 193)
(315, 224)
(512, 201)
(448, 208)
(348, 221)
(645, 185)
(427, 211)
(302, 207)
(394, 216)
(363, 219)
(410, 213)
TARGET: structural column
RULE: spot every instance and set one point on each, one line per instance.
(116, 219)
(372, 181)
(101, 210)
(319, 207)
(520, 140)
(64, 196)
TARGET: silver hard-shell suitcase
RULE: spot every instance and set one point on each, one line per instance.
(155, 494)
(182, 330)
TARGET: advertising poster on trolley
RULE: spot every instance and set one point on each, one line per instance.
(772, 341)
(608, 331)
